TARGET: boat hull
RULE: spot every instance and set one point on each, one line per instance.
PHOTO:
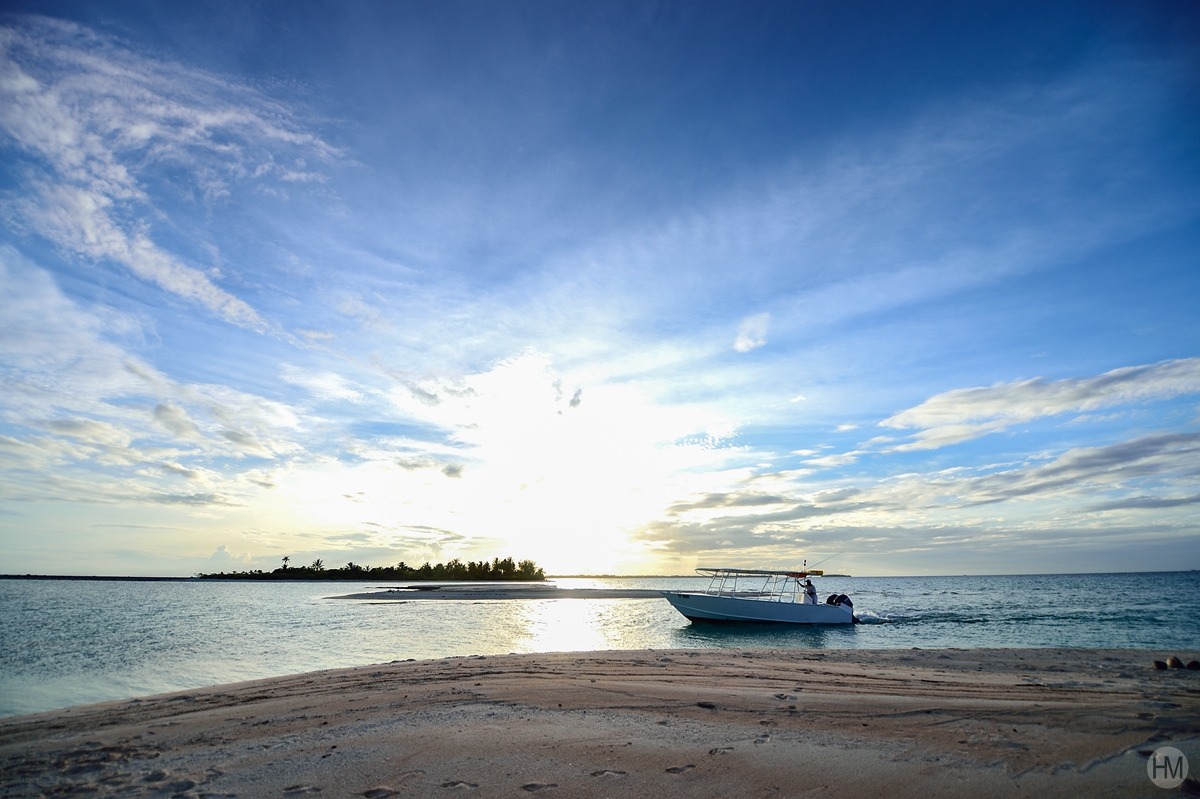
(707, 607)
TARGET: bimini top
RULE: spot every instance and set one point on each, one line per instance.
(766, 572)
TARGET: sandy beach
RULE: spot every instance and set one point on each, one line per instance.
(666, 723)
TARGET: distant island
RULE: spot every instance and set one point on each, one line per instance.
(506, 569)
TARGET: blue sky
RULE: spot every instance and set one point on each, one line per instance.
(621, 288)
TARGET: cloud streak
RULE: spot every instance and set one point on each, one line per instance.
(95, 121)
(964, 414)
(921, 509)
(76, 403)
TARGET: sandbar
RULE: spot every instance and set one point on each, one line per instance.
(498, 591)
(662, 723)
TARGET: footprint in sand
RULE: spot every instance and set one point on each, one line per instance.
(720, 750)
(302, 789)
(379, 792)
(608, 773)
(538, 786)
(680, 769)
(460, 784)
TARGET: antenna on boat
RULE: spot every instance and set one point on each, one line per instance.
(831, 557)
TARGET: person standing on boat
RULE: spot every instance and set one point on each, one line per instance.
(810, 593)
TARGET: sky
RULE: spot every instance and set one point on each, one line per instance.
(622, 288)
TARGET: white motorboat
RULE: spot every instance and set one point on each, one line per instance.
(757, 595)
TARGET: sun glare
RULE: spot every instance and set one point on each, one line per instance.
(535, 476)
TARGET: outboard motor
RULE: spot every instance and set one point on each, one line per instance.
(845, 600)
(832, 600)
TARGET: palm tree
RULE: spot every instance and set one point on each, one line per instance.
(285, 562)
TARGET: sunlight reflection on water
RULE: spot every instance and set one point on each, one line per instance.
(565, 625)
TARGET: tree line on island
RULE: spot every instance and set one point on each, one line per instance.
(497, 569)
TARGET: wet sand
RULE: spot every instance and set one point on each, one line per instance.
(665, 723)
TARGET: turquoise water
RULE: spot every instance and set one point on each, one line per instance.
(71, 642)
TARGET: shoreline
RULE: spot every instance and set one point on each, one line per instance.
(908, 722)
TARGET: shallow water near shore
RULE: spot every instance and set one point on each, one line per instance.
(73, 642)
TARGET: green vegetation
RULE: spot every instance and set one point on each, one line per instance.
(506, 569)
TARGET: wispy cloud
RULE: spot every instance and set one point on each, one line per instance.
(77, 404)
(323, 386)
(369, 316)
(95, 121)
(752, 332)
(922, 510)
(1145, 503)
(964, 414)
(840, 459)
(1088, 469)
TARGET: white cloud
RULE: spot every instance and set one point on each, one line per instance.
(968, 413)
(224, 560)
(91, 431)
(177, 422)
(93, 118)
(1077, 498)
(324, 386)
(102, 425)
(79, 220)
(843, 459)
(370, 317)
(1086, 470)
(752, 332)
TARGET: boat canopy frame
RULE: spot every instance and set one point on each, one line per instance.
(776, 586)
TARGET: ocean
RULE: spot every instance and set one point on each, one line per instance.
(69, 642)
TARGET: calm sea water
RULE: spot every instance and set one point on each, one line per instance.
(71, 642)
